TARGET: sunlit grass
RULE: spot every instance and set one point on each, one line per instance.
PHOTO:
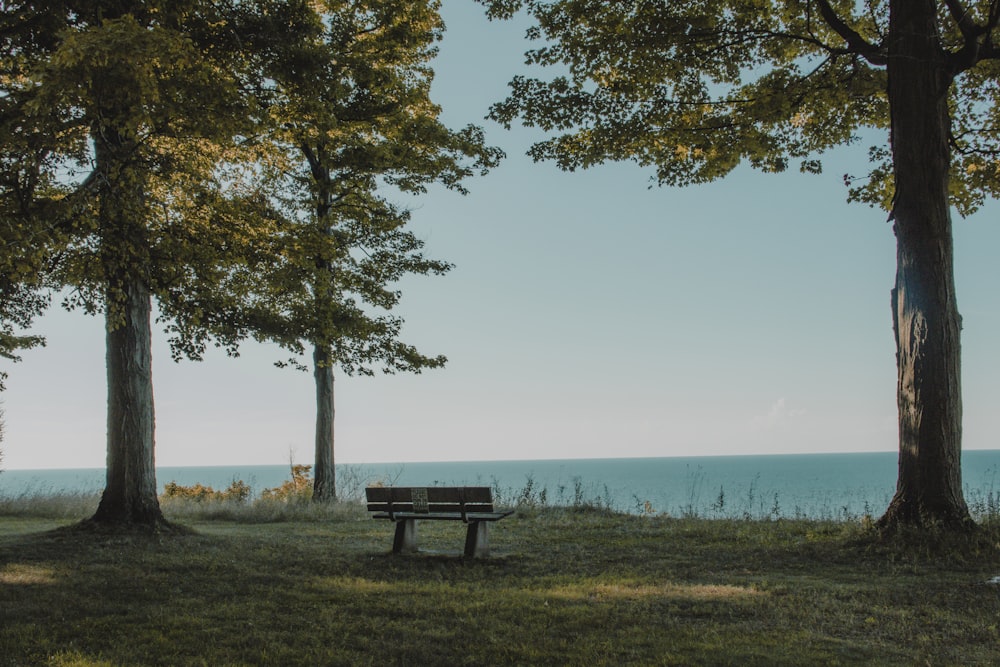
(635, 591)
(19, 574)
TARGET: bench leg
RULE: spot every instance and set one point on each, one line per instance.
(405, 540)
(477, 539)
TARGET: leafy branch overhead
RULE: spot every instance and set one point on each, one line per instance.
(99, 123)
(694, 89)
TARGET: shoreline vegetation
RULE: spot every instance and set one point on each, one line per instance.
(242, 499)
(271, 578)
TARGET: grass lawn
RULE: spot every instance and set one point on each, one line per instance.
(564, 587)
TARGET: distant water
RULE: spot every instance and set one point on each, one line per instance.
(803, 485)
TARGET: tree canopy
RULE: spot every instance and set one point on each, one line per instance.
(353, 127)
(694, 89)
(139, 106)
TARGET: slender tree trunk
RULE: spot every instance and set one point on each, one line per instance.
(926, 321)
(324, 473)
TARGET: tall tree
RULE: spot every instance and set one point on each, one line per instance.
(117, 118)
(693, 89)
(355, 122)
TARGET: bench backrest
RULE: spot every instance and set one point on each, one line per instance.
(430, 499)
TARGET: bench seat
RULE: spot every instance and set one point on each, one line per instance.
(441, 516)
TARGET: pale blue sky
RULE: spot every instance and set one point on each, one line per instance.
(588, 315)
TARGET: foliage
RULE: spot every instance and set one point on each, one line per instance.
(563, 588)
(694, 89)
(297, 489)
(352, 122)
(96, 129)
(128, 154)
(238, 491)
(19, 304)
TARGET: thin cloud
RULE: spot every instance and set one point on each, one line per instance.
(778, 415)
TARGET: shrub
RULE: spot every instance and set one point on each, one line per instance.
(238, 491)
(297, 489)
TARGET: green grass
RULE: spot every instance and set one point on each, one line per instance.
(317, 586)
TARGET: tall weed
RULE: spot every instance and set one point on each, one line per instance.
(48, 504)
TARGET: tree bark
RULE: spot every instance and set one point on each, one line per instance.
(926, 321)
(130, 493)
(324, 473)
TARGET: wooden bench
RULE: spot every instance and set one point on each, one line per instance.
(472, 505)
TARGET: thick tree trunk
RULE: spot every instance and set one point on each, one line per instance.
(324, 473)
(130, 494)
(925, 313)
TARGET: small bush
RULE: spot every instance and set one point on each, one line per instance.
(297, 489)
(238, 491)
(288, 502)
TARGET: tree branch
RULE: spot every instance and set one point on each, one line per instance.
(978, 43)
(994, 19)
(988, 51)
(855, 42)
(970, 30)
